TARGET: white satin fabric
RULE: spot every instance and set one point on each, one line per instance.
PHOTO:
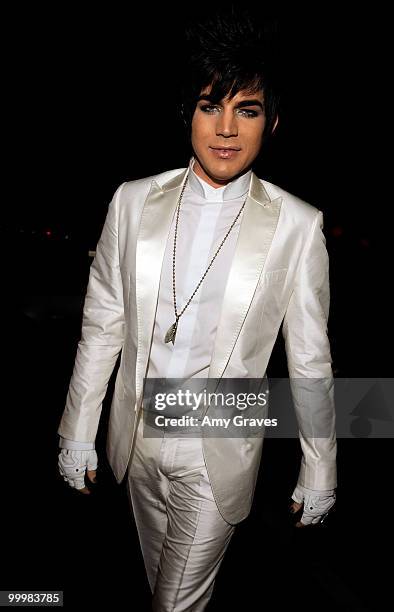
(205, 217)
(182, 534)
(279, 273)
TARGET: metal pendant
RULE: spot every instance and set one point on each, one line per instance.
(171, 333)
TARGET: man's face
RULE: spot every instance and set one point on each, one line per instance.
(227, 137)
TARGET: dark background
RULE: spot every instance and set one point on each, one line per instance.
(91, 102)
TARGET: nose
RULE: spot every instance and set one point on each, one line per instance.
(226, 124)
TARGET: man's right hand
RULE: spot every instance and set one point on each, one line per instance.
(73, 464)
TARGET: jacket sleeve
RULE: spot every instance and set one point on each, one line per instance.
(309, 362)
(102, 336)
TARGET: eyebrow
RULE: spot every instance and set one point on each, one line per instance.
(241, 104)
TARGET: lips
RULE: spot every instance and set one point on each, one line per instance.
(225, 152)
(226, 148)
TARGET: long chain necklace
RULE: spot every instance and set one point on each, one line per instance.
(171, 333)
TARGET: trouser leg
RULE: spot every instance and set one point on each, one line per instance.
(147, 491)
(182, 534)
(193, 548)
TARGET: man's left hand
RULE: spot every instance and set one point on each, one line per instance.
(316, 504)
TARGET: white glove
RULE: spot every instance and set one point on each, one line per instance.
(73, 463)
(316, 503)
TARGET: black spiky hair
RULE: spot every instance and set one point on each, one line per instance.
(232, 51)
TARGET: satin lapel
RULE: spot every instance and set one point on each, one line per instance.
(260, 218)
(157, 215)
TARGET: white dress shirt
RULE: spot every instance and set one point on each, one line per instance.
(206, 215)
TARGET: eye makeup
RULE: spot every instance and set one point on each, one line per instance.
(248, 113)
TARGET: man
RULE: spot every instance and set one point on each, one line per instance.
(194, 273)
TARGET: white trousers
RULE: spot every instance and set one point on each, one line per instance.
(183, 536)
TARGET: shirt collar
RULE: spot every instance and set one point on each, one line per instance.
(233, 190)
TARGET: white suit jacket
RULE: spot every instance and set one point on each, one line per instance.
(279, 272)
